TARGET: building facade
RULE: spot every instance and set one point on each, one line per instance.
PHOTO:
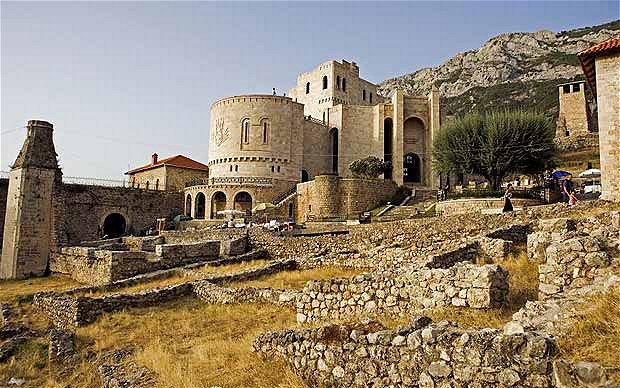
(601, 65)
(573, 117)
(261, 146)
(169, 174)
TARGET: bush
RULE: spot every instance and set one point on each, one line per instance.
(369, 168)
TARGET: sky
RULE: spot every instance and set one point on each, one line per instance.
(121, 80)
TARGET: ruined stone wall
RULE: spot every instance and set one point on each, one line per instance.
(608, 100)
(86, 207)
(393, 293)
(330, 196)
(418, 354)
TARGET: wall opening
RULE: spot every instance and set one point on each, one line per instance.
(307, 87)
(199, 212)
(337, 82)
(388, 134)
(243, 202)
(412, 168)
(188, 205)
(290, 210)
(114, 225)
(344, 84)
(304, 176)
(324, 82)
(218, 203)
(333, 140)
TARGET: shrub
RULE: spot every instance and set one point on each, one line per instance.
(369, 168)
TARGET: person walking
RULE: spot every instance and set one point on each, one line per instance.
(568, 190)
(508, 199)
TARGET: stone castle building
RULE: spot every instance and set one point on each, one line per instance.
(170, 174)
(601, 66)
(262, 146)
(573, 118)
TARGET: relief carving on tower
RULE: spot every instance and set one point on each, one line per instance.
(221, 133)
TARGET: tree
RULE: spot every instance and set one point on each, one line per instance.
(494, 145)
(370, 167)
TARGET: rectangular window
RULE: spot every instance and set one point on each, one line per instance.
(576, 87)
(566, 89)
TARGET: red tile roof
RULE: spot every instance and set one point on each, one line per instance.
(176, 161)
(587, 56)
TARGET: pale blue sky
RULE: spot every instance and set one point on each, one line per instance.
(120, 80)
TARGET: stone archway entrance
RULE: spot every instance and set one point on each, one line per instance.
(218, 203)
(114, 225)
(188, 205)
(412, 168)
(243, 202)
(199, 212)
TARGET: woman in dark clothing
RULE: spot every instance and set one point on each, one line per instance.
(508, 199)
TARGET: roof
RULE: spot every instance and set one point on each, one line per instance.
(587, 56)
(175, 161)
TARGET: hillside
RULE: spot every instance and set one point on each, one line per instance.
(510, 70)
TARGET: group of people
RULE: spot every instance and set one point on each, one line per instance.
(565, 185)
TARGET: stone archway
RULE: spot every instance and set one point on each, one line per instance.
(412, 168)
(114, 225)
(218, 203)
(243, 202)
(199, 211)
(188, 205)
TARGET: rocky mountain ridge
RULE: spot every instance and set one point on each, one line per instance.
(516, 68)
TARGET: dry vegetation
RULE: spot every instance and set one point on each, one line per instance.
(12, 291)
(289, 280)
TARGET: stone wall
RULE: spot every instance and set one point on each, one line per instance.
(396, 292)
(330, 196)
(419, 354)
(477, 205)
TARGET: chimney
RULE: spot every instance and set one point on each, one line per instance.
(154, 158)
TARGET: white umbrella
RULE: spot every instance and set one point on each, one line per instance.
(232, 212)
(591, 173)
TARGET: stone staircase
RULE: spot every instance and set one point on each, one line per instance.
(412, 207)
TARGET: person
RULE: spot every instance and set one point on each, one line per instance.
(274, 91)
(508, 199)
(568, 189)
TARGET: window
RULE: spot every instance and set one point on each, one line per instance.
(323, 116)
(307, 87)
(370, 97)
(566, 89)
(236, 168)
(576, 87)
(231, 167)
(337, 82)
(266, 125)
(157, 184)
(273, 168)
(147, 185)
(278, 168)
(245, 127)
(589, 165)
(324, 82)
(344, 84)
(364, 95)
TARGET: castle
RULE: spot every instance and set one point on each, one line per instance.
(262, 146)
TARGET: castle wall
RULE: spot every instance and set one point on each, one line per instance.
(573, 116)
(360, 136)
(177, 177)
(608, 100)
(316, 148)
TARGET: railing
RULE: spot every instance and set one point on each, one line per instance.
(76, 180)
(317, 121)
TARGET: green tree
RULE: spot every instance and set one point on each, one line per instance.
(494, 145)
(370, 167)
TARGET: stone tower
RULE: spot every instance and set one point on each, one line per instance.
(573, 115)
(29, 212)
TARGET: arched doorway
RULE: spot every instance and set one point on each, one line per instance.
(188, 205)
(333, 141)
(243, 202)
(387, 144)
(114, 225)
(304, 176)
(218, 203)
(199, 212)
(412, 168)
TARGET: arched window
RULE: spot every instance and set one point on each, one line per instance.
(337, 82)
(147, 185)
(266, 125)
(364, 95)
(370, 97)
(245, 129)
(344, 84)
(307, 87)
(304, 176)
(157, 184)
(324, 82)
(188, 205)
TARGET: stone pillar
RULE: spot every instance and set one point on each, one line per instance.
(29, 213)
(608, 104)
(434, 126)
(398, 143)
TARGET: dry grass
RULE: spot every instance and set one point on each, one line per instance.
(296, 280)
(13, 291)
(191, 344)
(606, 207)
(523, 287)
(595, 333)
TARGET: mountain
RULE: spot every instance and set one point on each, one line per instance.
(510, 70)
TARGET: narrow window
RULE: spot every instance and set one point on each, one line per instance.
(307, 87)
(265, 132)
(566, 89)
(370, 97)
(337, 82)
(576, 87)
(157, 184)
(344, 84)
(278, 168)
(246, 131)
(147, 185)
(364, 94)
(236, 167)
(323, 116)
(231, 167)
(324, 82)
